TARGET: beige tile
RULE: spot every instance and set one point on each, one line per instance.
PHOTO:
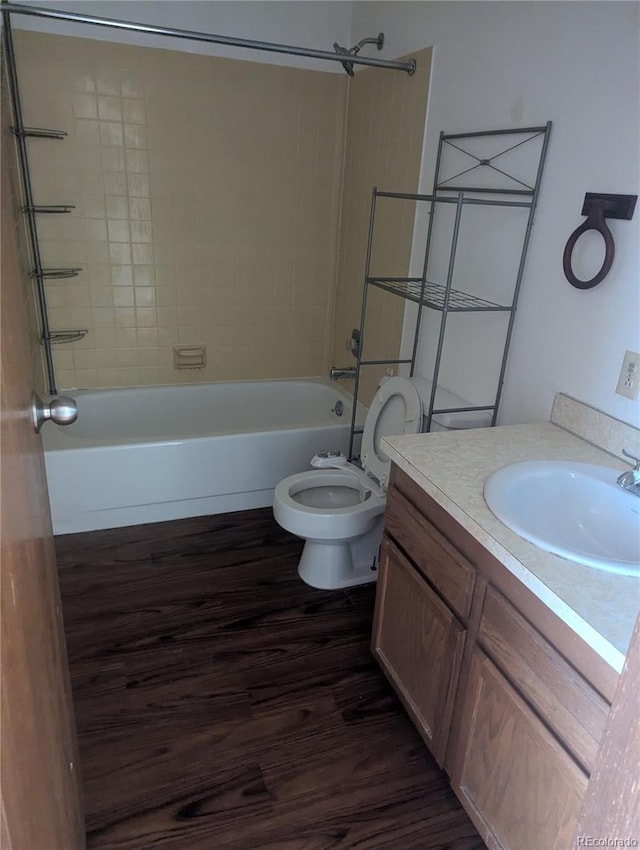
(147, 337)
(94, 230)
(145, 296)
(107, 83)
(142, 255)
(87, 132)
(118, 231)
(117, 206)
(123, 296)
(115, 182)
(133, 111)
(122, 275)
(120, 253)
(93, 206)
(86, 379)
(124, 317)
(125, 338)
(139, 185)
(113, 159)
(104, 338)
(85, 106)
(96, 253)
(109, 108)
(140, 209)
(111, 133)
(127, 357)
(137, 161)
(146, 317)
(135, 136)
(78, 295)
(103, 317)
(141, 231)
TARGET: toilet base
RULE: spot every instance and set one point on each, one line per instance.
(330, 565)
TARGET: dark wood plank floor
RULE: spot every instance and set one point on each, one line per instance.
(224, 705)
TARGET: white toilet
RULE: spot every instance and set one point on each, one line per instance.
(338, 507)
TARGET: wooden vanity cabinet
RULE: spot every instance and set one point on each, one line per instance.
(418, 642)
(513, 717)
(521, 787)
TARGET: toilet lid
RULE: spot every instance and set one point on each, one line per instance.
(396, 409)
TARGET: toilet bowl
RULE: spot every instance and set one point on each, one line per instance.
(337, 507)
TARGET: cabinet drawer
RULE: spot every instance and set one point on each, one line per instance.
(570, 706)
(449, 571)
(521, 788)
(419, 643)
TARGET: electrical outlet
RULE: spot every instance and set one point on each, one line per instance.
(629, 380)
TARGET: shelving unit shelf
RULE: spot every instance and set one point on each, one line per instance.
(434, 295)
(443, 297)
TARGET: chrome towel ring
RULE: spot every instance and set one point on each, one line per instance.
(597, 208)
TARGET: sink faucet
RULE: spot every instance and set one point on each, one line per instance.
(630, 480)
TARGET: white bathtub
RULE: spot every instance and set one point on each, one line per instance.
(150, 454)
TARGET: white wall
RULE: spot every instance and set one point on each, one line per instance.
(304, 24)
(504, 64)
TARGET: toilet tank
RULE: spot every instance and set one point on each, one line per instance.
(450, 421)
(458, 421)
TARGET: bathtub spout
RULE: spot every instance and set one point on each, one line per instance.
(335, 373)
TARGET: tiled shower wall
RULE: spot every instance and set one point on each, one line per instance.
(207, 196)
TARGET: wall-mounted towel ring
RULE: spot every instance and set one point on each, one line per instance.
(597, 207)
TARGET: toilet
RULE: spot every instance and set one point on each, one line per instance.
(337, 507)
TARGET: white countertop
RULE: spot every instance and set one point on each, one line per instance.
(452, 468)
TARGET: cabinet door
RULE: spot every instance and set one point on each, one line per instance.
(419, 644)
(522, 789)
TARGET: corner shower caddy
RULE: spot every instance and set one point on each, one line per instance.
(441, 296)
(32, 210)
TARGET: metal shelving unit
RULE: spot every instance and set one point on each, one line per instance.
(442, 296)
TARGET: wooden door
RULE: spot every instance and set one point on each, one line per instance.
(39, 796)
(419, 644)
(521, 788)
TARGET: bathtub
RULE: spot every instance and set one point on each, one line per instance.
(149, 454)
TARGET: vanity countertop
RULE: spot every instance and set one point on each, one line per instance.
(452, 468)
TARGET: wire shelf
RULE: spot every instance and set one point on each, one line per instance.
(64, 337)
(434, 295)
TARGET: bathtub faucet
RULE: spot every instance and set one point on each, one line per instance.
(335, 373)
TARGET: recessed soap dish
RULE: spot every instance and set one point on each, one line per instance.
(189, 356)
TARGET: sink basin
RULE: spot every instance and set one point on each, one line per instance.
(574, 510)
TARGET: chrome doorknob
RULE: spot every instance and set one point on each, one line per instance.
(62, 410)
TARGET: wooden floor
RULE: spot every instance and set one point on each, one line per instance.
(221, 703)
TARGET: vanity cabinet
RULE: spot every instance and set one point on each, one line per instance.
(511, 703)
(516, 779)
(418, 642)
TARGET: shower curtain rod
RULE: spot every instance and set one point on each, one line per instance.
(191, 35)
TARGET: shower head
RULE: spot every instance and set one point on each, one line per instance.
(348, 66)
(353, 51)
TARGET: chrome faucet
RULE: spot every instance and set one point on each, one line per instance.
(335, 373)
(630, 480)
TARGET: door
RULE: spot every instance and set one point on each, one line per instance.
(40, 806)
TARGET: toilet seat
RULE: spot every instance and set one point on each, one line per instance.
(330, 523)
(396, 409)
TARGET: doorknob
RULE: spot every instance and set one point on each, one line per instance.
(62, 410)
